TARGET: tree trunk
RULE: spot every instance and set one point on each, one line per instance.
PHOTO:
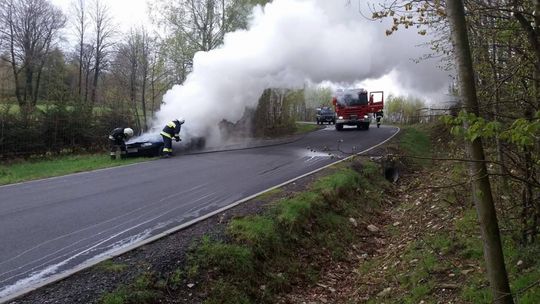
(86, 82)
(95, 80)
(143, 100)
(482, 195)
(35, 94)
(13, 63)
(29, 75)
(81, 67)
(153, 87)
(36, 88)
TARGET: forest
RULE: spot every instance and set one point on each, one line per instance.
(61, 95)
(68, 78)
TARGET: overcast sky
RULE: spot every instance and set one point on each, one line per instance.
(130, 13)
(126, 13)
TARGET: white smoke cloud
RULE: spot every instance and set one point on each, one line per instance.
(289, 43)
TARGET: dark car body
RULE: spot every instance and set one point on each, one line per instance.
(151, 145)
(146, 145)
(326, 114)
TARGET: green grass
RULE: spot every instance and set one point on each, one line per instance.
(110, 266)
(344, 179)
(231, 259)
(416, 142)
(292, 212)
(117, 297)
(302, 128)
(224, 292)
(257, 231)
(58, 166)
(270, 194)
(142, 291)
(262, 250)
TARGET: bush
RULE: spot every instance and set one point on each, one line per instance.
(56, 129)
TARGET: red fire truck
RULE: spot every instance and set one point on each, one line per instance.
(354, 108)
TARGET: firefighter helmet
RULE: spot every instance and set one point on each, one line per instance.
(128, 132)
(181, 120)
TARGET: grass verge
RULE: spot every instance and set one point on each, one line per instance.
(264, 255)
(37, 169)
(415, 142)
(142, 291)
(302, 128)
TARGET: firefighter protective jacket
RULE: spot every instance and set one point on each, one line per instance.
(172, 129)
(117, 134)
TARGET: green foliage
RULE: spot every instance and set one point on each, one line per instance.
(318, 97)
(404, 110)
(275, 113)
(57, 129)
(522, 132)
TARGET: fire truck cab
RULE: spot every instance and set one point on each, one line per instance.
(355, 107)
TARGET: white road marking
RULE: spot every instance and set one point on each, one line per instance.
(33, 285)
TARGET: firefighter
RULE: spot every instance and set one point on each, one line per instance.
(378, 117)
(171, 130)
(117, 140)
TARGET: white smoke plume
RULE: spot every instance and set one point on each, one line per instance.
(289, 43)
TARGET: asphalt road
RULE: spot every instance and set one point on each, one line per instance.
(54, 225)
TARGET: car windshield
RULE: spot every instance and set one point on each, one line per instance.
(327, 111)
(353, 98)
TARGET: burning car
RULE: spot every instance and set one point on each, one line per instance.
(151, 145)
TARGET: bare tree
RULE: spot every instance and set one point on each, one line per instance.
(87, 59)
(80, 22)
(104, 31)
(132, 51)
(136, 65)
(197, 25)
(482, 194)
(158, 75)
(144, 62)
(28, 33)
